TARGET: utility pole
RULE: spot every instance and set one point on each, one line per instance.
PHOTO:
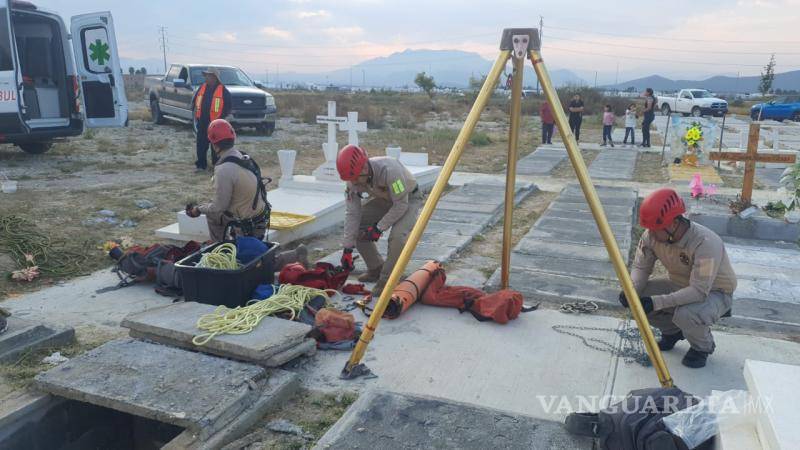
(616, 79)
(163, 42)
(267, 73)
(363, 78)
(351, 78)
(595, 79)
(541, 25)
(278, 75)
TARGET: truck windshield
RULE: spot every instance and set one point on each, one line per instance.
(700, 93)
(228, 76)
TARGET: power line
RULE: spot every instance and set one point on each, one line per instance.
(328, 47)
(654, 59)
(662, 38)
(682, 50)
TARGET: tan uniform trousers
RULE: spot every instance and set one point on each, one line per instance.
(694, 319)
(371, 213)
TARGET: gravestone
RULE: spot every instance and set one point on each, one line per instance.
(352, 126)
(330, 148)
(23, 336)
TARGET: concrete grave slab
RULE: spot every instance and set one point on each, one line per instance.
(773, 384)
(176, 325)
(614, 164)
(391, 420)
(541, 162)
(613, 218)
(558, 288)
(201, 393)
(582, 207)
(602, 270)
(532, 246)
(23, 336)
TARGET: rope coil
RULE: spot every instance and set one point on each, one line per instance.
(223, 257)
(243, 319)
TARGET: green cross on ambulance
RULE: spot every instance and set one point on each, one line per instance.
(55, 82)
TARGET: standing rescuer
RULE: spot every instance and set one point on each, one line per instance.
(701, 280)
(212, 101)
(394, 202)
(240, 194)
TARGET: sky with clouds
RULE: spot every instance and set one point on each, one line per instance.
(673, 38)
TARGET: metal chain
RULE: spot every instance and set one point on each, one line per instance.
(632, 348)
(586, 307)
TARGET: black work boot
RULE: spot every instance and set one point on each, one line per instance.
(695, 359)
(668, 341)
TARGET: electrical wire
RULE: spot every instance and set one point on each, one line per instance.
(682, 50)
(670, 38)
(289, 299)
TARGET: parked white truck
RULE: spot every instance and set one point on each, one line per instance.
(695, 102)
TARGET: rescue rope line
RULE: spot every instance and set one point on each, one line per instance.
(20, 237)
(222, 257)
(243, 319)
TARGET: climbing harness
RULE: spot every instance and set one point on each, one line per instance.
(630, 348)
(289, 299)
(579, 307)
(223, 257)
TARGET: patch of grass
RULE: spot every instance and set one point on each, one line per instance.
(315, 412)
(20, 373)
(479, 138)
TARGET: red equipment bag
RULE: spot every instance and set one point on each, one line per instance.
(335, 325)
(452, 296)
(322, 276)
(501, 306)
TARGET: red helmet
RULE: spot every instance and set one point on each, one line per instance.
(290, 273)
(660, 208)
(219, 130)
(350, 162)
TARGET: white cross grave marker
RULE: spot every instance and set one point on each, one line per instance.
(353, 126)
(331, 147)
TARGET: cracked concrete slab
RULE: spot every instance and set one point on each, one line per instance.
(269, 344)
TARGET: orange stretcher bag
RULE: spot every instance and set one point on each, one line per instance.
(414, 287)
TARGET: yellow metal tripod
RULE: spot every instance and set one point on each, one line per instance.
(518, 44)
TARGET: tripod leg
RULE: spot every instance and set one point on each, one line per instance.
(511, 168)
(425, 215)
(602, 222)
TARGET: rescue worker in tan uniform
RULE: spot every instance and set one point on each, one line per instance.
(394, 202)
(238, 191)
(701, 280)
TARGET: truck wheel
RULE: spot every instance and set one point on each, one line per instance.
(155, 112)
(696, 112)
(665, 110)
(267, 128)
(35, 148)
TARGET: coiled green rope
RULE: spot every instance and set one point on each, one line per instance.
(243, 319)
(19, 237)
(222, 257)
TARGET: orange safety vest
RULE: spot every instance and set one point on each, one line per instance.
(216, 102)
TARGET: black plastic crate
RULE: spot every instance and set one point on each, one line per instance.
(231, 288)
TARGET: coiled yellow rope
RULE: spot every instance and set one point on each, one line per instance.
(243, 319)
(221, 258)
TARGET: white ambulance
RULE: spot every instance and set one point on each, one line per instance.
(45, 92)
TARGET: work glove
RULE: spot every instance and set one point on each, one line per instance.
(347, 259)
(192, 211)
(647, 302)
(372, 233)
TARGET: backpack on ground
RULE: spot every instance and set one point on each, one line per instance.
(636, 422)
(155, 264)
(501, 306)
(322, 276)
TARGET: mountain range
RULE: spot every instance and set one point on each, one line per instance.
(449, 68)
(719, 83)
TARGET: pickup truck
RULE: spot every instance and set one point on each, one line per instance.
(695, 102)
(171, 97)
(780, 109)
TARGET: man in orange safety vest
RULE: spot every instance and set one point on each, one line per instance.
(212, 101)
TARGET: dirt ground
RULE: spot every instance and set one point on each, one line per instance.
(64, 190)
(650, 169)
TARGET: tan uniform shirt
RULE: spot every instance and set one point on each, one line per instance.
(390, 181)
(234, 187)
(697, 263)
